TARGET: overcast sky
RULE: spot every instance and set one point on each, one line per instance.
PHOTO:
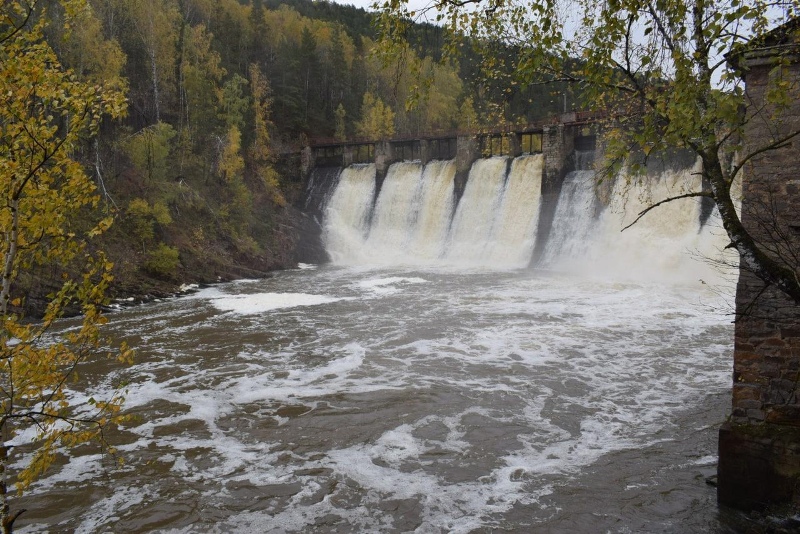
(366, 4)
(358, 3)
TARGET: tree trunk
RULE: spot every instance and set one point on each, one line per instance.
(11, 254)
(154, 67)
(6, 517)
(751, 256)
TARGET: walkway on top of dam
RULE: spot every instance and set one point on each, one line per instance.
(511, 140)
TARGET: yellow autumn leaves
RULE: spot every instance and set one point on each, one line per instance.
(47, 113)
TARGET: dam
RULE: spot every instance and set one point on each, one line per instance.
(510, 201)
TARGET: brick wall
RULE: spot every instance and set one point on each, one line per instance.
(759, 448)
(767, 342)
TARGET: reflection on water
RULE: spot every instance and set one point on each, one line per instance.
(349, 400)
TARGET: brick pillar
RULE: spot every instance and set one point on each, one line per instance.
(759, 447)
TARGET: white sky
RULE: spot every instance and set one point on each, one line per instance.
(358, 3)
(367, 4)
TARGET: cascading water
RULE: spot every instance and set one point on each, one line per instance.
(514, 232)
(413, 220)
(408, 224)
(320, 184)
(395, 213)
(476, 213)
(435, 208)
(495, 223)
(661, 244)
(347, 213)
(574, 220)
(665, 244)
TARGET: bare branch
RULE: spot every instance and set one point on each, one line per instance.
(645, 211)
(661, 29)
(775, 145)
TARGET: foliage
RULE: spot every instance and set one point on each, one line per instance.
(91, 55)
(149, 150)
(46, 112)
(467, 117)
(377, 119)
(657, 70)
(234, 101)
(231, 163)
(142, 218)
(162, 261)
(260, 151)
(340, 132)
(153, 33)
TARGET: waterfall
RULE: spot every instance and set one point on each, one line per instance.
(320, 184)
(395, 213)
(472, 224)
(661, 244)
(665, 244)
(414, 220)
(573, 221)
(514, 232)
(495, 222)
(434, 210)
(347, 214)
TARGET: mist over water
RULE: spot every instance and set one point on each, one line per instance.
(426, 381)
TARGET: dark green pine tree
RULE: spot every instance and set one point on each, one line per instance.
(338, 75)
(310, 77)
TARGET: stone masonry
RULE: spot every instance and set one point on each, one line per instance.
(759, 448)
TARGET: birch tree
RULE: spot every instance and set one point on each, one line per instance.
(46, 114)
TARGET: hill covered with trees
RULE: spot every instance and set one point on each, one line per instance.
(218, 93)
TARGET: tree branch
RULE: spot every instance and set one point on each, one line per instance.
(24, 23)
(775, 145)
(645, 211)
(661, 29)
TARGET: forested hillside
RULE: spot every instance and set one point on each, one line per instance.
(219, 93)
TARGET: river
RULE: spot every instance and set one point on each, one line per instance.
(391, 400)
(429, 380)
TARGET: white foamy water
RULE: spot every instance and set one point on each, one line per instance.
(667, 243)
(409, 400)
(495, 223)
(435, 208)
(474, 220)
(574, 221)
(395, 213)
(422, 396)
(347, 213)
(657, 246)
(515, 228)
(263, 302)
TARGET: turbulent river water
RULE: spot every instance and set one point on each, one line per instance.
(427, 396)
